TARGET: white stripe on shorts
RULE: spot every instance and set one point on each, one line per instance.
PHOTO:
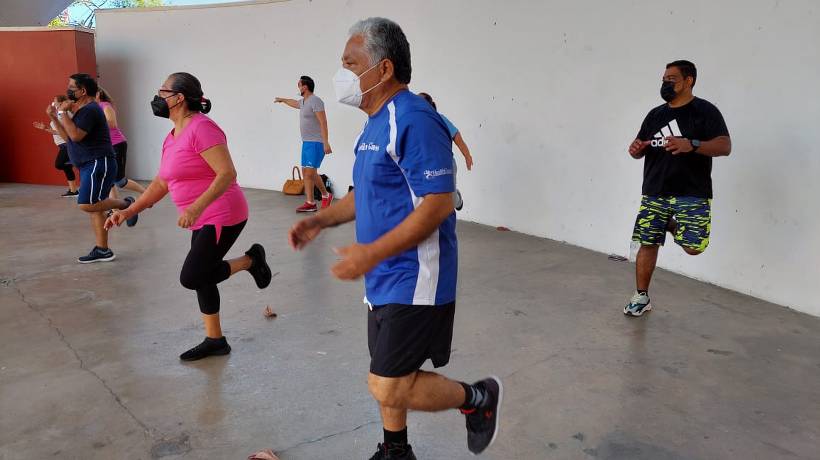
(91, 192)
(99, 195)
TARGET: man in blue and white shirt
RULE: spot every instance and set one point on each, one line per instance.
(406, 242)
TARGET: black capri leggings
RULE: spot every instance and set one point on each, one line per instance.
(204, 268)
(62, 162)
(121, 154)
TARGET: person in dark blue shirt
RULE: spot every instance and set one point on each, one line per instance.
(90, 150)
(406, 245)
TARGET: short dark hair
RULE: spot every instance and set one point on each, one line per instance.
(189, 86)
(429, 100)
(307, 81)
(687, 69)
(86, 82)
(384, 39)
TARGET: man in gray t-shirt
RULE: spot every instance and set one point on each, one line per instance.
(315, 144)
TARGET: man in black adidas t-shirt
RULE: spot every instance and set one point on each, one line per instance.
(677, 141)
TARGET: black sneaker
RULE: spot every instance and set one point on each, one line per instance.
(259, 266)
(390, 452)
(131, 221)
(69, 194)
(482, 422)
(208, 347)
(97, 255)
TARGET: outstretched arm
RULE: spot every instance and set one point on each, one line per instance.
(291, 102)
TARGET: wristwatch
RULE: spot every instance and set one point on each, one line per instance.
(695, 145)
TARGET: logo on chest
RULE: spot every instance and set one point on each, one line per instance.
(670, 130)
(368, 146)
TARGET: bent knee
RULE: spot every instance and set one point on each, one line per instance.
(390, 391)
(693, 251)
(189, 280)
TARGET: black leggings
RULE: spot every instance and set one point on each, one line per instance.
(204, 268)
(62, 162)
(121, 154)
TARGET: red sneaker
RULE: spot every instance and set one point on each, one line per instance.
(326, 200)
(307, 207)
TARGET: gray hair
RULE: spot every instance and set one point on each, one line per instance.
(384, 39)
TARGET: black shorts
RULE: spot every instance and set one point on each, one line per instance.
(121, 152)
(402, 337)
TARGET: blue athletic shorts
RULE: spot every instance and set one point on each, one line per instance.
(312, 154)
(96, 179)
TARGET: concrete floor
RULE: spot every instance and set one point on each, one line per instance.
(89, 366)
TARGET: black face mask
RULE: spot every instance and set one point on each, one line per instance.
(160, 107)
(70, 94)
(668, 91)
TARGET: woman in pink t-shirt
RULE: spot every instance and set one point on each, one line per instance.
(196, 168)
(119, 142)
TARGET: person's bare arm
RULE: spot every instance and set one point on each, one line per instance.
(156, 190)
(358, 259)
(304, 231)
(46, 128)
(65, 125)
(290, 102)
(219, 159)
(322, 117)
(465, 151)
(110, 117)
(720, 146)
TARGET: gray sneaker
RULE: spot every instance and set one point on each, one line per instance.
(638, 305)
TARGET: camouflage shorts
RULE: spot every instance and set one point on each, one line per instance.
(694, 217)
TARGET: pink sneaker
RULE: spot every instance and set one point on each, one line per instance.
(307, 207)
(326, 200)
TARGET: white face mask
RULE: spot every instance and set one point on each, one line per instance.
(348, 87)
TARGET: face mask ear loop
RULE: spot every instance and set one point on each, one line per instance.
(368, 70)
(172, 106)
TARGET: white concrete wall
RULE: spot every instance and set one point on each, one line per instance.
(547, 94)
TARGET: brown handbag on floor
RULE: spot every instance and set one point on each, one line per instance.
(294, 186)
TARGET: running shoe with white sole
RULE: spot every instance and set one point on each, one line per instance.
(638, 305)
(97, 255)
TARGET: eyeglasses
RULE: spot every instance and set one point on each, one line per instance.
(162, 90)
